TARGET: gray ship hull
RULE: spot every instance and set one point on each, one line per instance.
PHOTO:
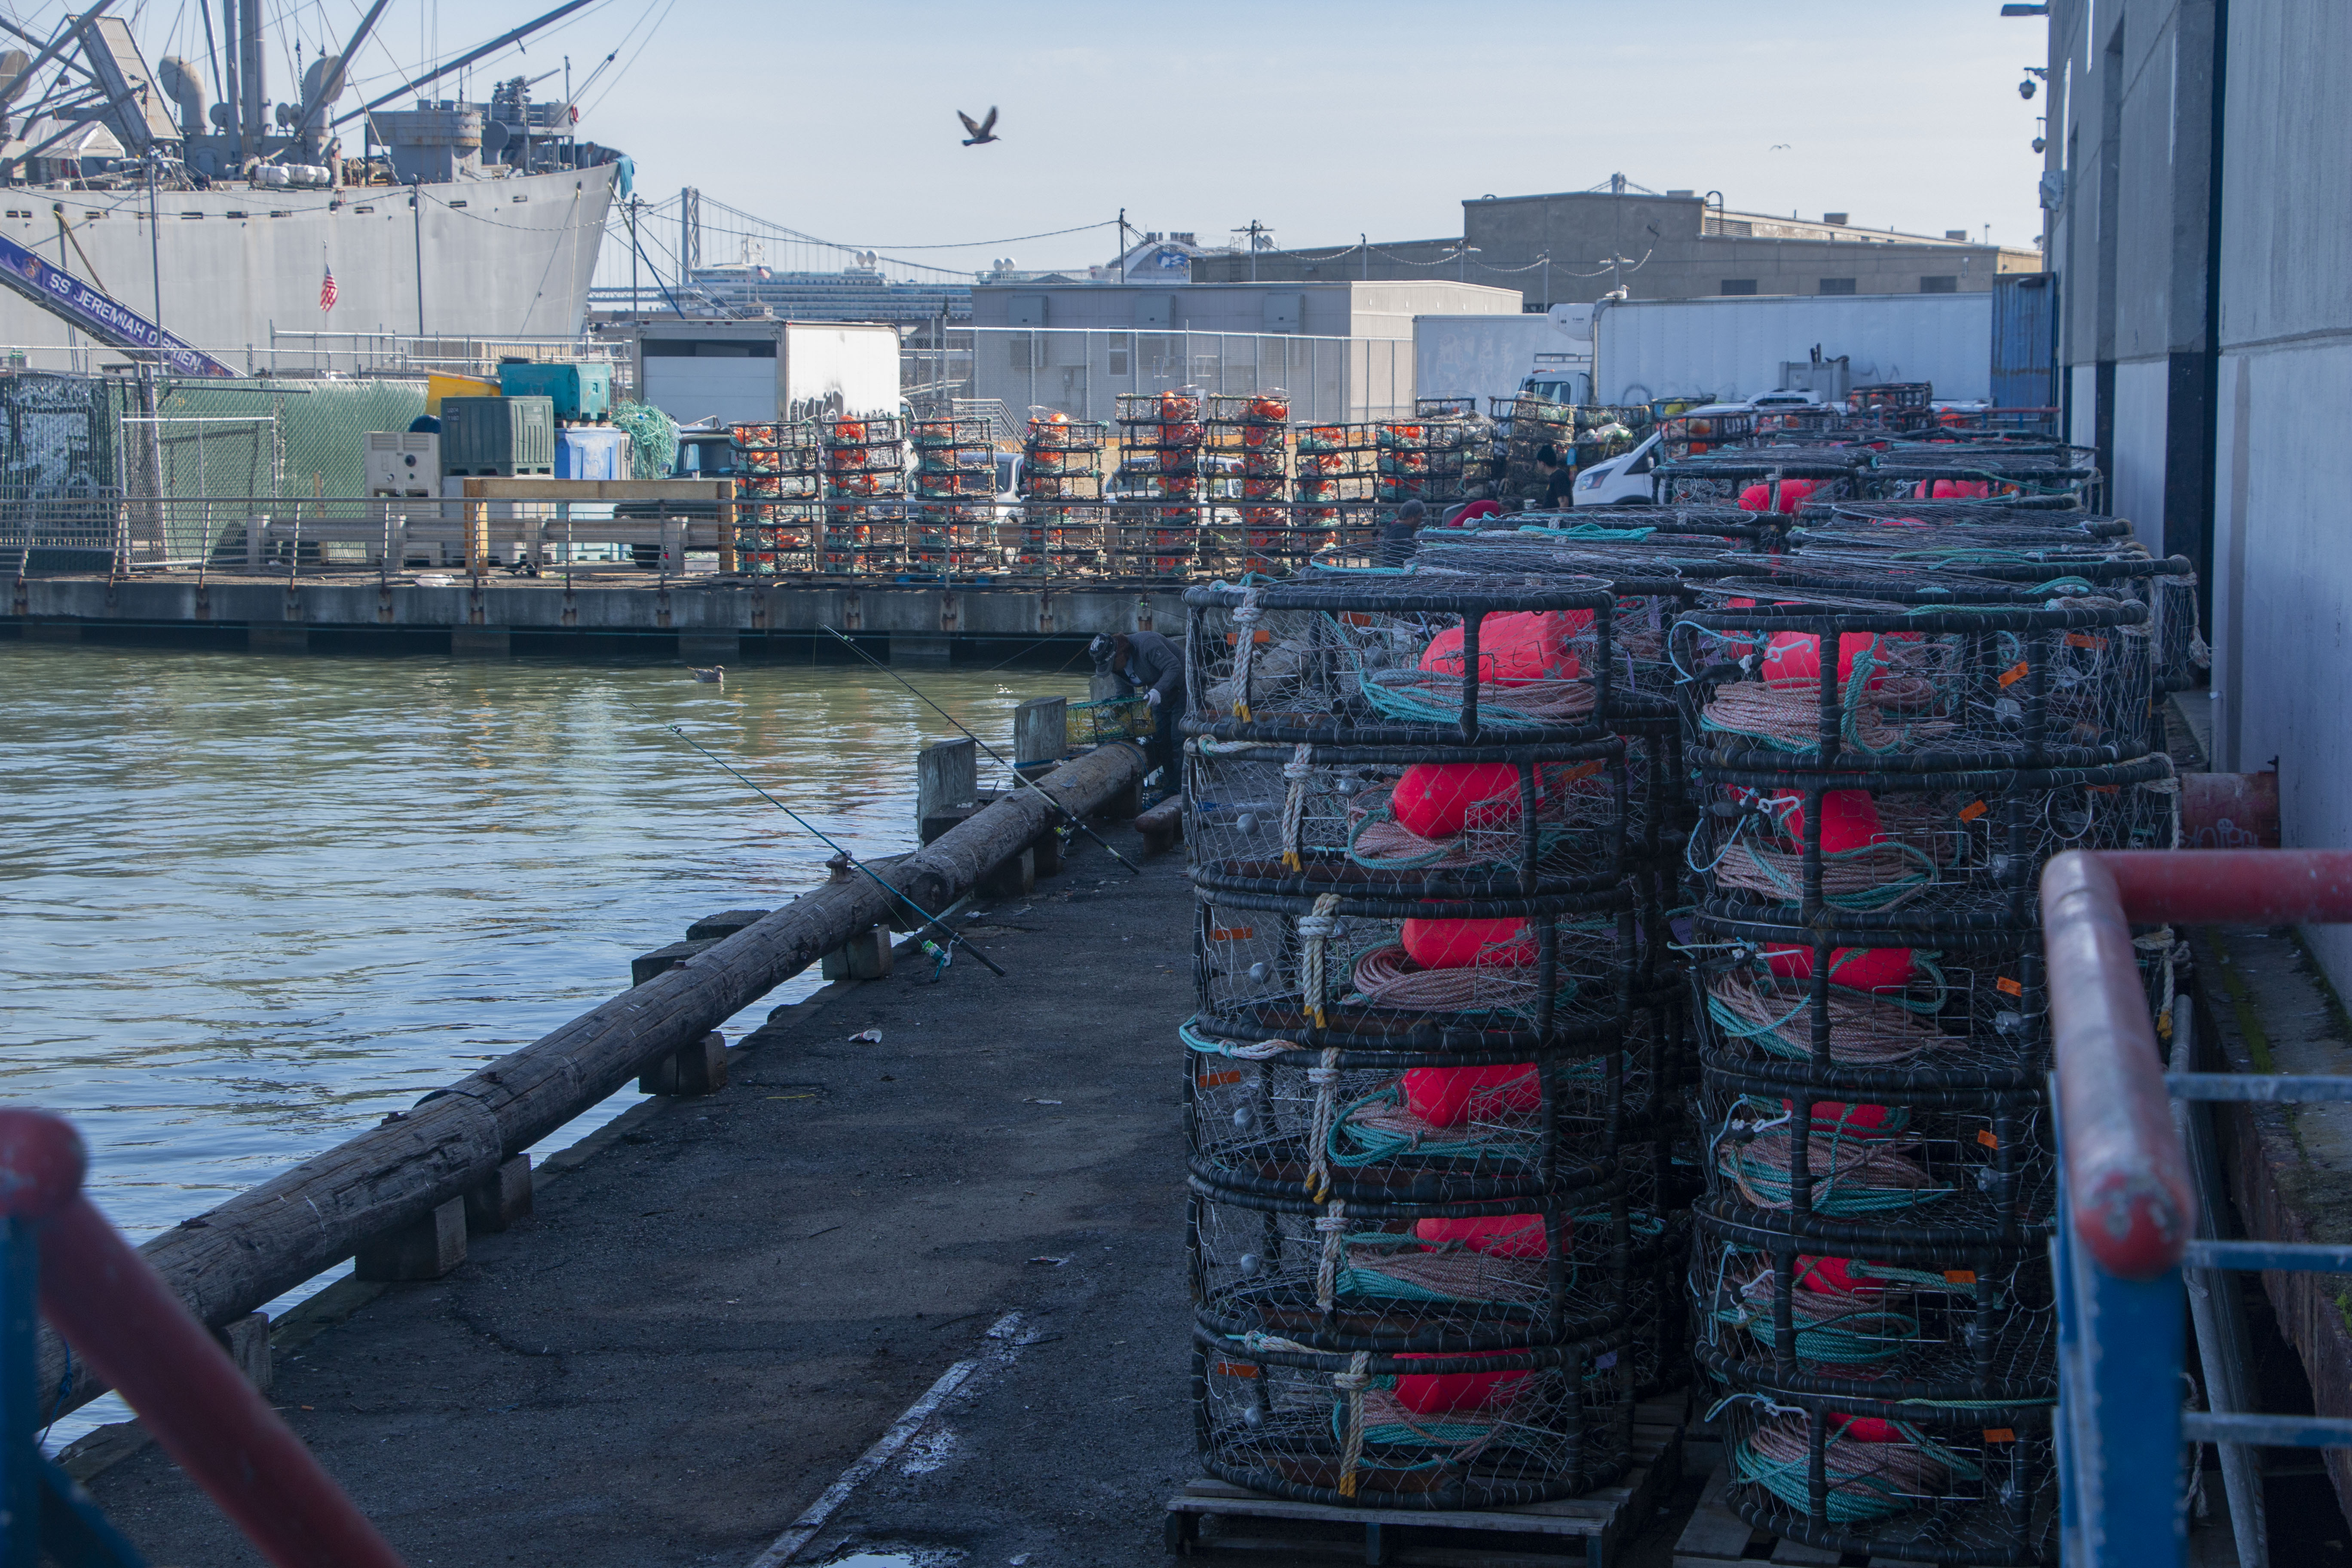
(501, 258)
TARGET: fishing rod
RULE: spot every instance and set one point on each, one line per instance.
(935, 921)
(1018, 775)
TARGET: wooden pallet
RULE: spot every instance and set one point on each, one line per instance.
(1584, 1530)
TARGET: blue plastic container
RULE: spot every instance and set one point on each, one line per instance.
(579, 391)
(592, 452)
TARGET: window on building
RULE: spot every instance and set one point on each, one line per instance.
(1837, 284)
(1945, 285)
(1118, 350)
(1740, 285)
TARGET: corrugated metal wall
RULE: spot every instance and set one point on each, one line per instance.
(2025, 340)
(1735, 347)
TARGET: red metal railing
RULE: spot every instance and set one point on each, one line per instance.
(112, 1309)
(2133, 1205)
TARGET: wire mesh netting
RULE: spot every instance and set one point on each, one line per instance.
(1413, 1429)
(1902, 1481)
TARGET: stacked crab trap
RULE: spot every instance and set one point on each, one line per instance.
(1249, 437)
(865, 487)
(780, 514)
(1062, 494)
(1428, 1091)
(954, 485)
(1162, 457)
(1887, 747)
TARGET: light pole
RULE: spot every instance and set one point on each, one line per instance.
(1545, 257)
(1464, 253)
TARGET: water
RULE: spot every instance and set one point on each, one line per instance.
(248, 904)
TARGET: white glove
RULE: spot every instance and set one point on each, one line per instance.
(1152, 697)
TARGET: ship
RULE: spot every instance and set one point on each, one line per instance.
(224, 217)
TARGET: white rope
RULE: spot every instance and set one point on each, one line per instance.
(1325, 1080)
(1245, 619)
(1314, 930)
(1350, 1385)
(1295, 774)
(1332, 1227)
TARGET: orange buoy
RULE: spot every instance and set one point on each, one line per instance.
(1468, 944)
(1454, 1393)
(1448, 1097)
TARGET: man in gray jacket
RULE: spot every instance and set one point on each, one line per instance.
(1150, 663)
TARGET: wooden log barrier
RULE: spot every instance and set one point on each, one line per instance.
(395, 1178)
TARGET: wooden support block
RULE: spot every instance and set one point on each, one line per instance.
(726, 923)
(1163, 826)
(946, 776)
(660, 961)
(426, 1249)
(246, 1339)
(1804, 1556)
(1715, 1533)
(1126, 803)
(1048, 853)
(700, 1069)
(865, 956)
(503, 1199)
(1041, 733)
(947, 819)
(1014, 877)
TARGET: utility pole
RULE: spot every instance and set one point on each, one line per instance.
(1122, 245)
(1364, 244)
(417, 204)
(630, 210)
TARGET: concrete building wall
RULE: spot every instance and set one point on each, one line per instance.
(1380, 309)
(1674, 247)
(2283, 575)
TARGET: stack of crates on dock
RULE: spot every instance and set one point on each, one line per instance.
(866, 489)
(1429, 460)
(953, 520)
(1162, 460)
(1338, 484)
(1535, 422)
(1891, 727)
(1249, 438)
(1429, 1091)
(1062, 494)
(779, 509)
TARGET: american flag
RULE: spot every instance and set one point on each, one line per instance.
(327, 292)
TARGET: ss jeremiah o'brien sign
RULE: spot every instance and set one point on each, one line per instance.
(108, 320)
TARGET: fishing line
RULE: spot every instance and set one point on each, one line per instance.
(934, 921)
(1021, 780)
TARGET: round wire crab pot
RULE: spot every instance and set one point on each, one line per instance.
(1953, 472)
(1903, 1483)
(1815, 681)
(1918, 855)
(1421, 973)
(1421, 1126)
(1414, 1430)
(1936, 1324)
(1452, 822)
(1771, 479)
(1377, 660)
(1926, 1167)
(1337, 1274)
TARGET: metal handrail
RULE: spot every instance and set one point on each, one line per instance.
(134, 1333)
(2129, 1200)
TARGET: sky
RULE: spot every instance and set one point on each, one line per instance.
(1321, 121)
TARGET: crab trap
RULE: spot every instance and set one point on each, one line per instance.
(1934, 685)
(1401, 662)
(1902, 1481)
(1459, 1120)
(1771, 479)
(1896, 1321)
(1413, 1430)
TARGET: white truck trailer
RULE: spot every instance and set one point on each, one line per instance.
(750, 373)
(1738, 348)
(1485, 357)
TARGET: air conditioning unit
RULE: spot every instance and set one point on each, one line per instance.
(404, 463)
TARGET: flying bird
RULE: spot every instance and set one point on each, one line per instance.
(984, 132)
(1778, 147)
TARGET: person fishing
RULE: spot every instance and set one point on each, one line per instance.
(1150, 663)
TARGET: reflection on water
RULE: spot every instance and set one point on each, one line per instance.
(250, 904)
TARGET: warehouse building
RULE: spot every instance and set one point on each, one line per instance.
(1576, 246)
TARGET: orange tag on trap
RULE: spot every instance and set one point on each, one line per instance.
(2084, 639)
(1985, 1135)
(1973, 810)
(1261, 636)
(1959, 1276)
(1232, 933)
(2008, 988)
(2106, 789)
(1999, 1434)
(1351, 618)
(2013, 673)
(1235, 1369)
(1219, 1079)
